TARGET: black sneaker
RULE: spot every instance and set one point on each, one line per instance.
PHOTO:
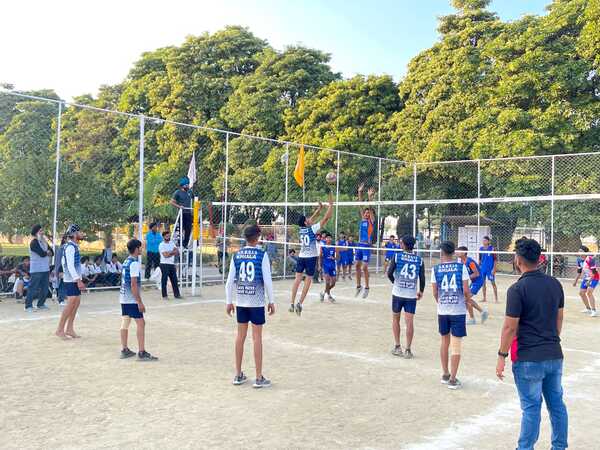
(445, 379)
(240, 379)
(299, 309)
(126, 353)
(292, 308)
(454, 384)
(145, 356)
(408, 354)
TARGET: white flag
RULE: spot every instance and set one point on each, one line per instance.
(192, 170)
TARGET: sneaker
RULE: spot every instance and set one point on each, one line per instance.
(331, 299)
(471, 322)
(165, 298)
(145, 356)
(484, 316)
(292, 308)
(29, 310)
(62, 304)
(454, 384)
(408, 354)
(322, 296)
(179, 297)
(445, 379)
(43, 307)
(397, 351)
(585, 311)
(261, 382)
(299, 309)
(240, 379)
(593, 313)
(365, 293)
(126, 353)
(358, 290)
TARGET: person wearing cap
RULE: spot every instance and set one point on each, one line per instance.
(153, 240)
(534, 314)
(39, 269)
(71, 264)
(182, 199)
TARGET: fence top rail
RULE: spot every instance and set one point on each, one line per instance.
(199, 127)
(507, 158)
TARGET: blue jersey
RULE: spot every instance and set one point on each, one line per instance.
(248, 276)
(486, 258)
(350, 251)
(342, 251)
(406, 275)
(449, 279)
(471, 264)
(328, 254)
(366, 231)
(389, 254)
(131, 269)
(308, 241)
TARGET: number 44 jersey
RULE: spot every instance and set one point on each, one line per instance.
(406, 275)
(449, 279)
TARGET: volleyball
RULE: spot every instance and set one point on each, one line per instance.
(331, 177)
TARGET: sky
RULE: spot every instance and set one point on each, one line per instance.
(74, 47)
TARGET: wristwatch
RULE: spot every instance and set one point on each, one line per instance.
(504, 355)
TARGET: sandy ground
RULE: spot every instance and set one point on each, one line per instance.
(335, 383)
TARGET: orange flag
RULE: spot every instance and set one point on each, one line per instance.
(299, 170)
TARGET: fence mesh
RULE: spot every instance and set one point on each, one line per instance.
(247, 179)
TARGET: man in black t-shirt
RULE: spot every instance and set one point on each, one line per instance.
(534, 313)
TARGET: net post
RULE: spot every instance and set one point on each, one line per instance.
(195, 232)
(378, 217)
(141, 184)
(223, 262)
(415, 199)
(285, 214)
(478, 199)
(56, 181)
(552, 217)
(337, 193)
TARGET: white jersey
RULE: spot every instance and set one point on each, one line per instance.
(308, 241)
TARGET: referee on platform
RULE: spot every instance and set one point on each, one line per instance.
(182, 199)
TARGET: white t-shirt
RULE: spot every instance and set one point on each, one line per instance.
(166, 247)
(308, 241)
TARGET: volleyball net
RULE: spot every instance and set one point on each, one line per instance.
(114, 172)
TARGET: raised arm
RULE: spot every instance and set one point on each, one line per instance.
(329, 212)
(314, 216)
(361, 187)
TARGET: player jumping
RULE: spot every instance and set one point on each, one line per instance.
(328, 256)
(405, 268)
(249, 280)
(366, 235)
(488, 262)
(450, 283)
(307, 260)
(590, 278)
(476, 284)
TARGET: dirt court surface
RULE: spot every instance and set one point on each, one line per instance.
(335, 383)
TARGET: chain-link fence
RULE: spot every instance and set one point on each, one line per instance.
(116, 173)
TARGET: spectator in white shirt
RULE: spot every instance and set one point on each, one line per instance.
(168, 251)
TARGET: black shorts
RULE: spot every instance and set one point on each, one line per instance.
(249, 314)
(409, 305)
(456, 325)
(72, 290)
(307, 265)
(131, 310)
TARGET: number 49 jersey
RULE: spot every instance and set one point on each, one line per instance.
(249, 277)
(406, 275)
(449, 279)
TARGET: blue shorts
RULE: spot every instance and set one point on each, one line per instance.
(348, 259)
(488, 275)
(389, 256)
(457, 325)
(249, 314)
(587, 284)
(399, 303)
(363, 253)
(72, 290)
(329, 269)
(131, 310)
(307, 265)
(476, 287)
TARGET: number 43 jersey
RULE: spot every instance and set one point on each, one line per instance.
(250, 273)
(449, 279)
(406, 275)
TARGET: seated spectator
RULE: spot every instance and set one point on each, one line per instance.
(57, 284)
(114, 268)
(6, 270)
(292, 260)
(88, 275)
(22, 278)
(101, 275)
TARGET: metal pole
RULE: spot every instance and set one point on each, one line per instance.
(552, 218)
(378, 218)
(141, 182)
(180, 219)
(415, 200)
(194, 250)
(337, 194)
(56, 181)
(201, 249)
(478, 204)
(223, 263)
(285, 214)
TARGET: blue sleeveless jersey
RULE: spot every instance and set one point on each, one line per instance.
(406, 275)
(470, 263)
(126, 294)
(76, 259)
(249, 277)
(328, 253)
(308, 243)
(365, 232)
(449, 280)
